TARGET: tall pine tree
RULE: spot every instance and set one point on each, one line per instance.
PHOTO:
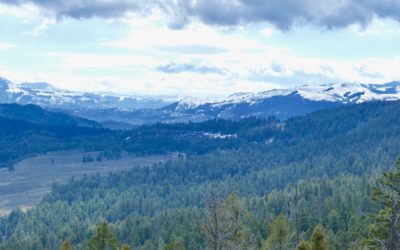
(104, 239)
(279, 234)
(384, 233)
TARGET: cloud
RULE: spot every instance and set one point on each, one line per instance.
(87, 9)
(172, 68)
(41, 27)
(103, 61)
(6, 46)
(191, 49)
(197, 39)
(284, 14)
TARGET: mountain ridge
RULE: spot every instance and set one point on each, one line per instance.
(280, 103)
(48, 96)
(36, 115)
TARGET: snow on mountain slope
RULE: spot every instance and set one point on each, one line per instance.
(48, 96)
(344, 93)
(281, 103)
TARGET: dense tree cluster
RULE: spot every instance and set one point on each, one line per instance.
(305, 183)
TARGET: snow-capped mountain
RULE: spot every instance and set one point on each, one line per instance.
(126, 110)
(48, 96)
(281, 103)
(344, 93)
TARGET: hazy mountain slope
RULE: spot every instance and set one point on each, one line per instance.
(35, 114)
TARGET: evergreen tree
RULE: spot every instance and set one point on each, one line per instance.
(304, 245)
(214, 224)
(66, 245)
(224, 223)
(104, 239)
(279, 234)
(237, 236)
(214, 227)
(384, 233)
(126, 247)
(318, 241)
(175, 245)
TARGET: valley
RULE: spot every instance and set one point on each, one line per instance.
(324, 165)
(32, 178)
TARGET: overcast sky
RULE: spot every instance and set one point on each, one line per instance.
(204, 48)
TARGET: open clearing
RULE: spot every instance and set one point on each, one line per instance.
(34, 177)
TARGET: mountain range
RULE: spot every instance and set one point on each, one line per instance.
(48, 96)
(280, 103)
(125, 111)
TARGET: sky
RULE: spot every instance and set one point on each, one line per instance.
(199, 48)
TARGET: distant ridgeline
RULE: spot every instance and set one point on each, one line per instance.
(123, 112)
(29, 130)
(322, 165)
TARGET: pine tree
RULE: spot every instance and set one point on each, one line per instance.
(214, 224)
(66, 245)
(175, 245)
(104, 239)
(384, 233)
(224, 223)
(304, 245)
(318, 241)
(279, 236)
(126, 247)
(236, 234)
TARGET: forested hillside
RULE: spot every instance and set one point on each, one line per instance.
(258, 177)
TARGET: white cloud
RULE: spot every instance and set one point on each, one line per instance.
(25, 12)
(6, 46)
(146, 34)
(71, 61)
(378, 27)
(254, 74)
(41, 27)
(268, 31)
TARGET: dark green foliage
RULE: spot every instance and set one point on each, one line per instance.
(224, 223)
(304, 245)
(66, 245)
(317, 241)
(126, 247)
(103, 240)
(36, 115)
(279, 234)
(384, 233)
(176, 245)
(331, 156)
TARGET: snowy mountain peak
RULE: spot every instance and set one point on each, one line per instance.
(340, 92)
(48, 96)
(268, 102)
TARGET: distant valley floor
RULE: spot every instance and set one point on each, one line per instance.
(33, 178)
